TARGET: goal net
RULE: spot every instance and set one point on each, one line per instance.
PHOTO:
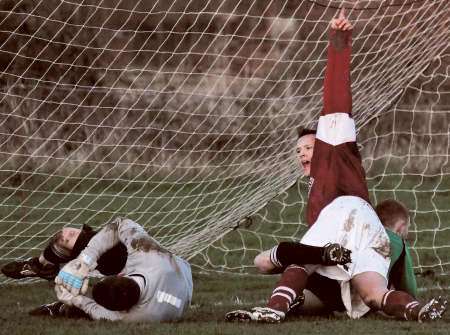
(183, 115)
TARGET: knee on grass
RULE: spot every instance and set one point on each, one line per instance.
(262, 262)
(372, 299)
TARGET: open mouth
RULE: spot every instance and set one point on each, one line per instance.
(306, 164)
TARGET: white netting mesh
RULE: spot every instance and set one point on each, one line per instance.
(182, 115)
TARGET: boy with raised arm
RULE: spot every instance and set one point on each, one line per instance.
(339, 212)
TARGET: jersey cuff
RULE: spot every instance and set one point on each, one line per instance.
(88, 260)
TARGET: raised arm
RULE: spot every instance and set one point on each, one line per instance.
(336, 167)
(337, 96)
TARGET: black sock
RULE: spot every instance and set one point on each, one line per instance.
(287, 253)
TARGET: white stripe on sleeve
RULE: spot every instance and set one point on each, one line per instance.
(336, 128)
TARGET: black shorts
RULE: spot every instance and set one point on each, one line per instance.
(327, 290)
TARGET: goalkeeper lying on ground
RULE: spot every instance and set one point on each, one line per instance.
(339, 211)
(154, 285)
(110, 247)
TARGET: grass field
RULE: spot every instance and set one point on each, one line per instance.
(214, 296)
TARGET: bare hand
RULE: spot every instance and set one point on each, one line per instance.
(341, 22)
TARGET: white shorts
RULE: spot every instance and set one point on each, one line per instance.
(351, 222)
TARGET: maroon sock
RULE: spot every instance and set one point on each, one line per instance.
(291, 284)
(401, 305)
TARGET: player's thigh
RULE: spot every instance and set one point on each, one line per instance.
(327, 290)
(312, 304)
(371, 286)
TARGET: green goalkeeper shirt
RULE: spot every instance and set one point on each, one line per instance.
(401, 273)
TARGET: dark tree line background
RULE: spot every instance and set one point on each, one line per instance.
(145, 88)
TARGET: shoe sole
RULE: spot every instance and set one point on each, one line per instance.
(15, 270)
(436, 309)
(238, 316)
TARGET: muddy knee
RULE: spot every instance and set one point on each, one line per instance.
(263, 263)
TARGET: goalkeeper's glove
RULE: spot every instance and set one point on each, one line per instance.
(73, 276)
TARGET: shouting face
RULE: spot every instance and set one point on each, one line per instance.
(305, 148)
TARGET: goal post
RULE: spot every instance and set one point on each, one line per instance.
(182, 115)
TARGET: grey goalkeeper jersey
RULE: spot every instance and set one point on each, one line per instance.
(165, 279)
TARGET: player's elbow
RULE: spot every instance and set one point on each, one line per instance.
(262, 262)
